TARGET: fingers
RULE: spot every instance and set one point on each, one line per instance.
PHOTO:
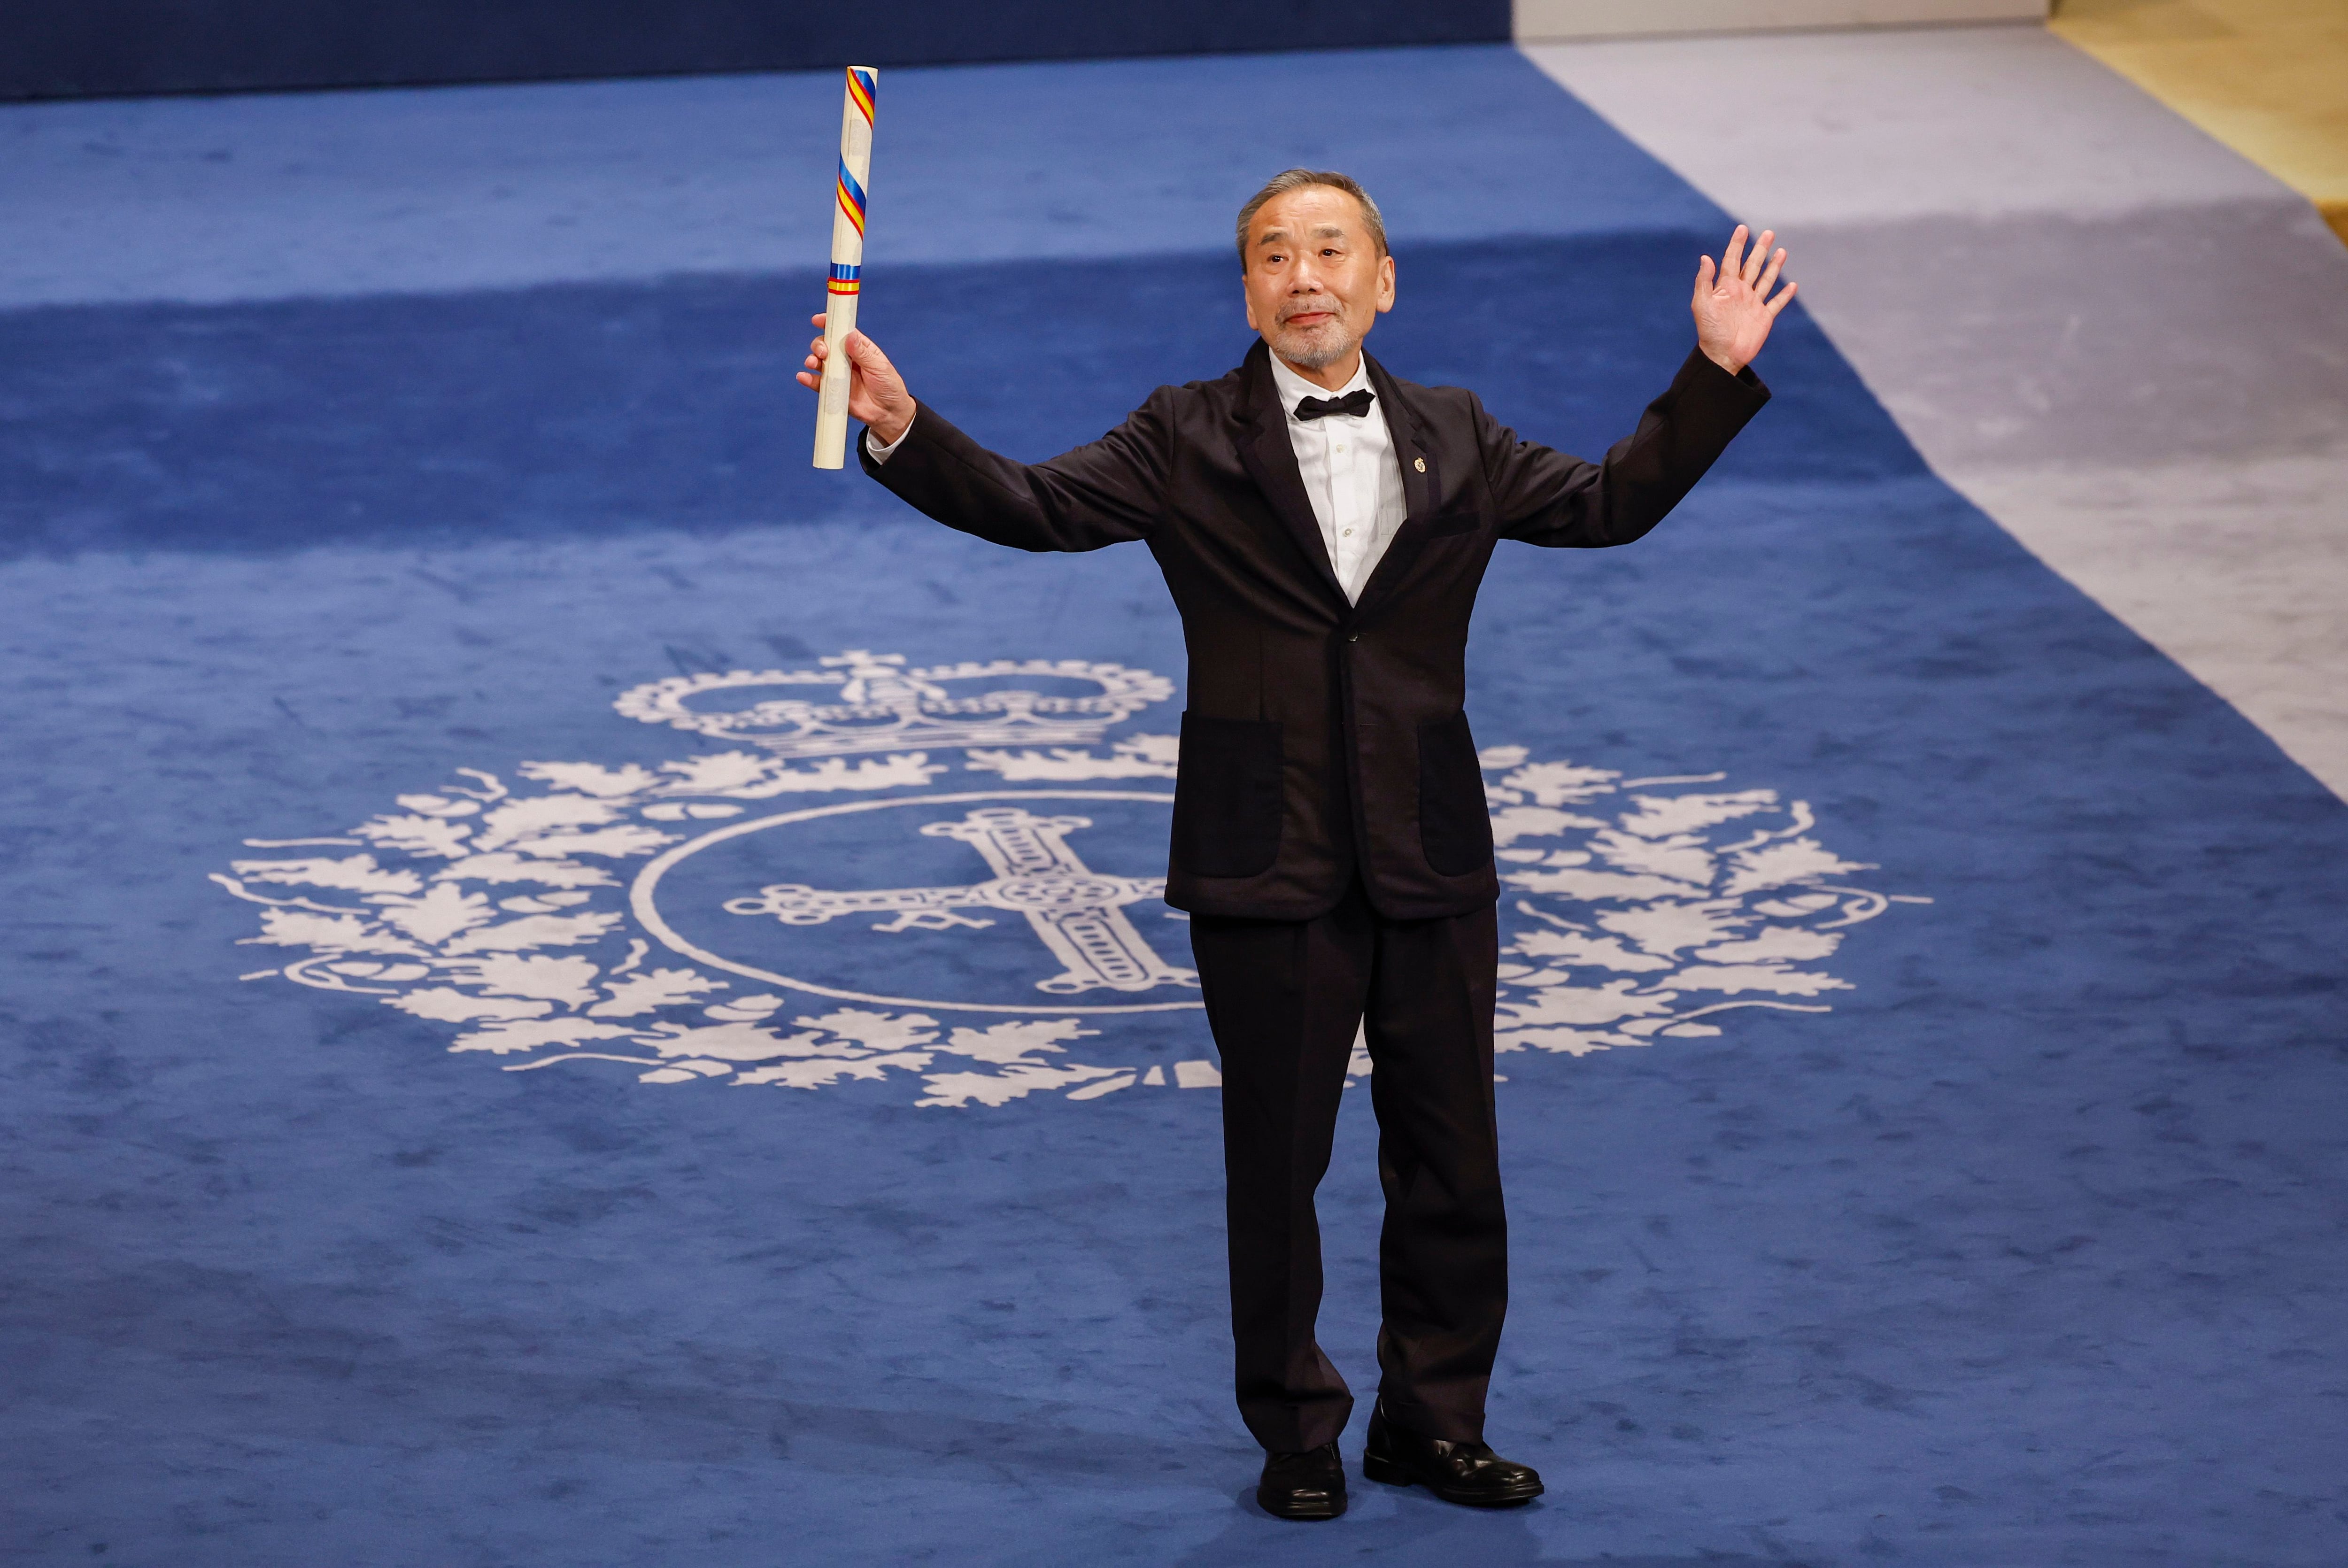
(874, 366)
(1751, 270)
(876, 393)
(1769, 274)
(1704, 277)
(816, 320)
(1731, 258)
(1783, 295)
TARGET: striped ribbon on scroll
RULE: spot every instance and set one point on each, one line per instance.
(846, 282)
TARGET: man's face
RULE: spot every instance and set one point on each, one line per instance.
(1315, 282)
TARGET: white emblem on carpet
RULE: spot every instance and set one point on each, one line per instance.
(537, 910)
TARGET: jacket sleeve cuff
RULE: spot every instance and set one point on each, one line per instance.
(914, 460)
(922, 432)
(1702, 374)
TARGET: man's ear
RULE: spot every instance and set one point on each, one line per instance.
(1247, 300)
(1386, 281)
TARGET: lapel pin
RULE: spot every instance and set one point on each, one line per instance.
(1419, 463)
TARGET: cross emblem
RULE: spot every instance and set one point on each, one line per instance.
(1078, 913)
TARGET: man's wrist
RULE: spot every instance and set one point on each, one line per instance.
(887, 433)
(1725, 360)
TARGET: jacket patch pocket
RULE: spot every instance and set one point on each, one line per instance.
(1227, 797)
(1455, 828)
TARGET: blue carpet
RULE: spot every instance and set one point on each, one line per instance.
(2021, 1246)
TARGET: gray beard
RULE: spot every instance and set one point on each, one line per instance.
(1313, 355)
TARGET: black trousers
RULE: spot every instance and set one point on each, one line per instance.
(1284, 999)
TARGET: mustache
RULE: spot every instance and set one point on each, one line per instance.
(1321, 307)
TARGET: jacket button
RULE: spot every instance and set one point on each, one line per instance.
(1353, 636)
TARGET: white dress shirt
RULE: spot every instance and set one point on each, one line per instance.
(1351, 474)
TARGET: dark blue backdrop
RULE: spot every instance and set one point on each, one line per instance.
(57, 48)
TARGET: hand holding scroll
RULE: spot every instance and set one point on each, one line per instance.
(876, 393)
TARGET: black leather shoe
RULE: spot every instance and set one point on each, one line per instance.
(1469, 1473)
(1310, 1485)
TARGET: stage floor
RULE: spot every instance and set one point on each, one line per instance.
(1923, 1033)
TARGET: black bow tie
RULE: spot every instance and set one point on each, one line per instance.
(1357, 403)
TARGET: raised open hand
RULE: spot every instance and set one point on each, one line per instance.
(1733, 308)
(876, 393)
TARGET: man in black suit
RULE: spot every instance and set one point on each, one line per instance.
(1323, 528)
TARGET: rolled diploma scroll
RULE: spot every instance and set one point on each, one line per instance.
(847, 265)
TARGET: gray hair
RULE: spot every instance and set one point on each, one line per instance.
(1288, 180)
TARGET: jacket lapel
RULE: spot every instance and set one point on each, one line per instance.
(1420, 485)
(1271, 460)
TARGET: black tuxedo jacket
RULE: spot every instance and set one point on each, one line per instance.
(1324, 737)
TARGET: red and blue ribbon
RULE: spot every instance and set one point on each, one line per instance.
(861, 87)
(851, 197)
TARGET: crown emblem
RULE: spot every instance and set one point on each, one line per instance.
(863, 701)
